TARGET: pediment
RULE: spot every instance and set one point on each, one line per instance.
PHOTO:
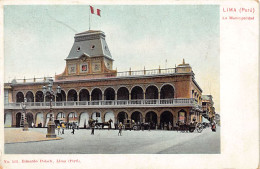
(84, 57)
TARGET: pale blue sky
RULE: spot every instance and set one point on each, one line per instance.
(37, 38)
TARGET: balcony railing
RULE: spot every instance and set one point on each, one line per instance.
(108, 103)
(118, 74)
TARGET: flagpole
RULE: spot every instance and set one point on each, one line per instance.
(89, 18)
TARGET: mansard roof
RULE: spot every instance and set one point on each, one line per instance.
(91, 43)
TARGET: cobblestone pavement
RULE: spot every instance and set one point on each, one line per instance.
(131, 142)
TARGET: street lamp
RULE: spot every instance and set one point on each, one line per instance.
(48, 91)
(25, 122)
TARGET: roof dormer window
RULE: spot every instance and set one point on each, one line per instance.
(78, 49)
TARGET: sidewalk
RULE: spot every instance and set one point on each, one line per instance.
(20, 136)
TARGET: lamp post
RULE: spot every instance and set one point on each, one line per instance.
(48, 91)
(25, 122)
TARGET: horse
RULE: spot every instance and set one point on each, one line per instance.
(108, 123)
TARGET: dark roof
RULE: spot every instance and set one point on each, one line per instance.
(91, 43)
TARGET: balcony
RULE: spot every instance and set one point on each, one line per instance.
(108, 104)
(108, 75)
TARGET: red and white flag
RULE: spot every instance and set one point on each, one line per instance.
(92, 10)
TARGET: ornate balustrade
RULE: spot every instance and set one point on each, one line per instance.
(118, 74)
(108, 103)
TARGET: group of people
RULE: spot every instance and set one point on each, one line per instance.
(61, 127)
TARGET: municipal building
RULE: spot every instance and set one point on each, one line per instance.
(91, 88)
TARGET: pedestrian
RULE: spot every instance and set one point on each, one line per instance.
(32, 125)
(63, 127)
(93, 128)
(120, 126)
(73, 129)
(58, 128)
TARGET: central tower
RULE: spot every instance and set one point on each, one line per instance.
(89, 57)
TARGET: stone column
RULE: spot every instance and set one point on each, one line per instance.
(158, 122)
(102, 117)
(129, 96)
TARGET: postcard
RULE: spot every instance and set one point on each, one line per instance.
(130, 84)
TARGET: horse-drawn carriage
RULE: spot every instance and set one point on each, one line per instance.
(132, 125)
(194, 126)
(100, 125)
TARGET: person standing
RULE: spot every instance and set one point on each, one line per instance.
(93, 128)
(73, 129)
(63, 127)
(58, 128)
(120, 126)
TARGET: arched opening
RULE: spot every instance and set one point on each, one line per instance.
(137, 117)
(18, 119)
(29, 117)
(182, 116)
(84, 95)
(122, 93)
(47, 119)
(83, 120)
(73, 117)
(96, 94)
(110, 115)
(109, 94)
(97, 116)
(166, 120)
(39, 120)
(39, 96)
(61, 116)
(137, 93)
(60, 97)
(29, 96)
(121, 117)
(72, 95)
(167, 92)
(19, 97)
(151, 117)
(8, 119)
(151, 92)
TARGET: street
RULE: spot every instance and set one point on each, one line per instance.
(131, 142)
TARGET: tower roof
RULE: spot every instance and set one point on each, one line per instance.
(90, 43)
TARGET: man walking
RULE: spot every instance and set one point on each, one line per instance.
(63, 127)
(58, 127)
(73, 129)
(92, 127)
(120, 126)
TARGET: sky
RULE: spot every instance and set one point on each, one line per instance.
(38, 38)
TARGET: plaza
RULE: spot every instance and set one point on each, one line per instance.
(131, 142)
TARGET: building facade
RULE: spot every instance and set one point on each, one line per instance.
(208, 107)
(92, 89)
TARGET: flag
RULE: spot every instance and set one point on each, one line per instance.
(92, 9)
(98, 12)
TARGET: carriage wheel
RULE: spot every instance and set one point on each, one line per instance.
(191, 130)
(135, 128)
(199, 129)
